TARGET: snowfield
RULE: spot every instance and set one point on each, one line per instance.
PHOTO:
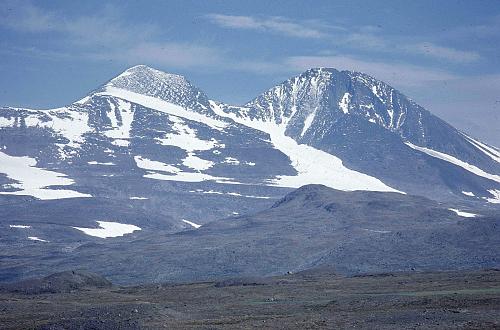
(312, 165)
(192, 224)
(109, 229)
(455, 161)
(463, 213)
(34, 181)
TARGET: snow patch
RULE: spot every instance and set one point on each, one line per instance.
(487, 150)
(463, 213)
(185, 138)
(163, 106)
(308, 121)
(376, 92)
(231, 161)
(34, 181)
(344, 103)
(82, 101)
(192, 224)
(71, 124)
(6, 122)
(120, 131)
(312, 165)
(174, 173)
(34, 238)
(229, 193)
(377, 231)
(154, 165)
(109, 229)
(98, 163)
(496, 196)
(247, 196)
(455, 161)
(197, 163)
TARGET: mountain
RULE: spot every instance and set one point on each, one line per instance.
(376, 130)
(149, 154)
(314, 226)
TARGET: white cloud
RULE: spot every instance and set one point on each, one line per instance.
(278, 25)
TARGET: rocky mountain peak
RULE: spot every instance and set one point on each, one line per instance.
(173, 88)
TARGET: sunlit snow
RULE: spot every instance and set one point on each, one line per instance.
(192, 224)
(120, 131)
(71, 124)
(308, 121)
(455, 161)
(98, 163)
(172, 173)
(463, 213)
(163, 106)
(312, 165)
(496, 196)
(231, 161)
(214, 192)
(487, 150)
(109, 229)
(34, 181)
(185, 137)
(377, 231)
(34, 238)
(197, 163)
(344, 103)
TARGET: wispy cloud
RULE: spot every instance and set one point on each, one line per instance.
(487, 29)
(104, 35)
(362, 38)
(24, 16)
(398, 74)
(401, 75)
(277, 25)
(103, 28)
(168, 54)
(445, 53)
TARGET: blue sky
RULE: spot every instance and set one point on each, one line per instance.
(443, 54)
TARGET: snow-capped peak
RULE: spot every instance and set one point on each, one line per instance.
(173, 88)
(323, 95)
(141, 76)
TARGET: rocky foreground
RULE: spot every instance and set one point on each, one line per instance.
(313, 299)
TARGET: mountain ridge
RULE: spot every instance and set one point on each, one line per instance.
(159, 177)
(323, 113)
